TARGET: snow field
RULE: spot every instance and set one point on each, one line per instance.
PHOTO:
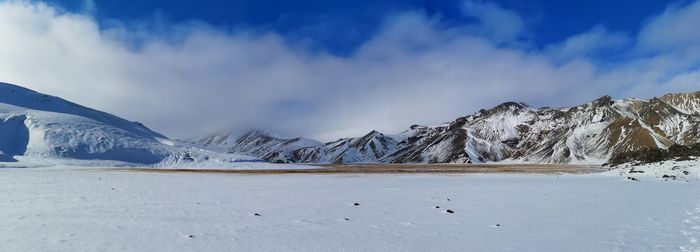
(63, 209)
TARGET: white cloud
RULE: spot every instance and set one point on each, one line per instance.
(675, 28)
(496, 22)
(589, 44)
(187, 79)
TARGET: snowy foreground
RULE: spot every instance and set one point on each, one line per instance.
(108, 210)
(667, 171)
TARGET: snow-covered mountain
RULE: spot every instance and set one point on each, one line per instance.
(511, 132)
(588, 133)
(265, 146)
(43, 127)
(365, 149)
(39, 126)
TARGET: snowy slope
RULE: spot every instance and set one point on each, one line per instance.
(47, 126)
(35, 127)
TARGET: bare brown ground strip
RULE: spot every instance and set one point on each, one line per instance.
(397, 168)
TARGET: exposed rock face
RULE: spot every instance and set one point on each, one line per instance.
(588, 133)
(442, 144)
(688, 103)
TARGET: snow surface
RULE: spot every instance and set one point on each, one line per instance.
(64, 209)
(667, 170)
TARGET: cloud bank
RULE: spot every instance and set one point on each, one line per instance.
(189, 79)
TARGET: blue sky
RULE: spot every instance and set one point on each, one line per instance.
(340, 26)
(330, 69)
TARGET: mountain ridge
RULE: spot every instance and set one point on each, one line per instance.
(516, 132)
(35, 125)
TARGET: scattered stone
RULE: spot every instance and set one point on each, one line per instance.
(635, 171)
(686, 172)
(448, 199)
(256, 214)
(113, 189)
(347, 219)
(356, 204)
(191, 236)
(450, 211)
(197, 203)
(437, 207)
(498, 225)
(673, 177)
(633, 179)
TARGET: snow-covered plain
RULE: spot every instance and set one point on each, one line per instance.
(107, 210)
(670, 170)
(216, 164)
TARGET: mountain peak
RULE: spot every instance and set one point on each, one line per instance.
(605, 100)
(374, 133)
(511, 104)
(503, 107)
(258, 132)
